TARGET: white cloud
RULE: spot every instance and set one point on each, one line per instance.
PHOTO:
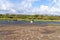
(5, 4)
(26, 7)
(43, 8)
(46, 10)
(13, 10)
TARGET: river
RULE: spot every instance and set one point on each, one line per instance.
(10, 22)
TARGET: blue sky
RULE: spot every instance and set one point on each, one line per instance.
(50, 7)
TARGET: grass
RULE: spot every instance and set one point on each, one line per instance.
(30, 20)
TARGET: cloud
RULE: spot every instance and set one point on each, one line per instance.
(5, 4)
(26, 7)
(43, 8)
(6, 7)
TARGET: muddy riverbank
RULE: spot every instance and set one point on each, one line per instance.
(29, 32)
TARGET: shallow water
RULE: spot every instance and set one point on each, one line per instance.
(6, 22)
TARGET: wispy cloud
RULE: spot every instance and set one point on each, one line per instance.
(26, 7)
(5, 4)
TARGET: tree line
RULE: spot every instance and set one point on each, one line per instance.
(29, 17)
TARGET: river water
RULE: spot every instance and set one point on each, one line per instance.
(10, 22)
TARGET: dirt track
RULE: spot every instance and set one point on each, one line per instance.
(29, 32)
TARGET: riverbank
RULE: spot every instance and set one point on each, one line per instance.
(29, 32)
(36, 20)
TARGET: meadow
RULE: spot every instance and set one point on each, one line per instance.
(29, 17)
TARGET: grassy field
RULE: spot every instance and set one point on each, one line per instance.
(19, 17)
(36, 20)
(29, 32)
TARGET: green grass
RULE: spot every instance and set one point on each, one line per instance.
(47, 20)
(19, 19)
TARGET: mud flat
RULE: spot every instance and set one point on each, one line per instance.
(29, 32)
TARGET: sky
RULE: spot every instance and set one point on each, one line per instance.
(30, 7)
